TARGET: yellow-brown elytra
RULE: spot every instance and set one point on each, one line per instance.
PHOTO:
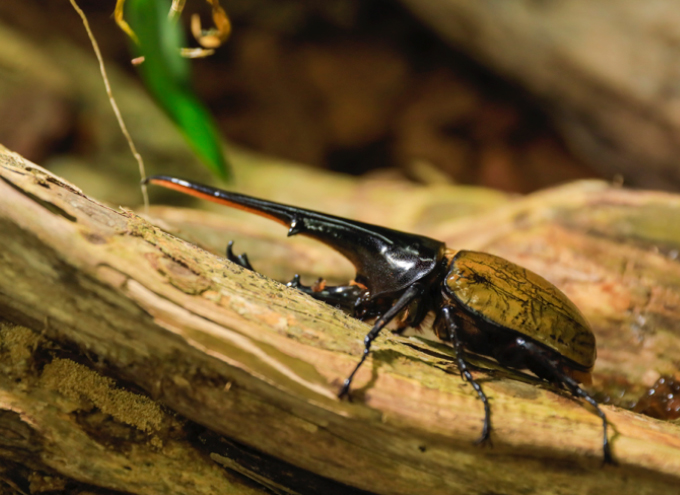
(482, 303)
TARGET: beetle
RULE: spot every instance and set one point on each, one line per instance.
(483, 304)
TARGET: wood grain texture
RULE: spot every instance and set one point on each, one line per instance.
(261, 364)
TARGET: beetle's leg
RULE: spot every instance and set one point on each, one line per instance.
(579, 392)
(241, 259)
(573, 386)
(415, 315)
(343, 296)
(416, 291)
(448, 314)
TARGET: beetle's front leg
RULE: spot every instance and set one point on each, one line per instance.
(346, 297)
(240, 260)
(414, 292)
(449, 317)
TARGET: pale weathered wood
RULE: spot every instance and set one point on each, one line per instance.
(261, 364)
(606, 71)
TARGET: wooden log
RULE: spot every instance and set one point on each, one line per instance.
(261, 364)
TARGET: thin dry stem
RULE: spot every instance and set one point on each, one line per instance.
(112, 100)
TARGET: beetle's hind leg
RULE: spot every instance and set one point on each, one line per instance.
(575, 389)
(549, 364)
(452, 327)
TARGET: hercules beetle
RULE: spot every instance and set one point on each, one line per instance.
(482, 303)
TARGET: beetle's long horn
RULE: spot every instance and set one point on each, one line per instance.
(386, 260)
(280, 213)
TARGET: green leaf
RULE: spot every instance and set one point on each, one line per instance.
(167, 75)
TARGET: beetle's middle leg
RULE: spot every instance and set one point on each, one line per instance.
(449, 318)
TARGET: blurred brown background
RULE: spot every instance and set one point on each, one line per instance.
(514, 96)
(347, 85)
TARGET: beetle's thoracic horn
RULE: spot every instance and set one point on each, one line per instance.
(386, 260)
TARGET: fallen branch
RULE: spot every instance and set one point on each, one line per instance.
(249, 359)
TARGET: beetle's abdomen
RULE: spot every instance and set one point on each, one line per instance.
(509, 296)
